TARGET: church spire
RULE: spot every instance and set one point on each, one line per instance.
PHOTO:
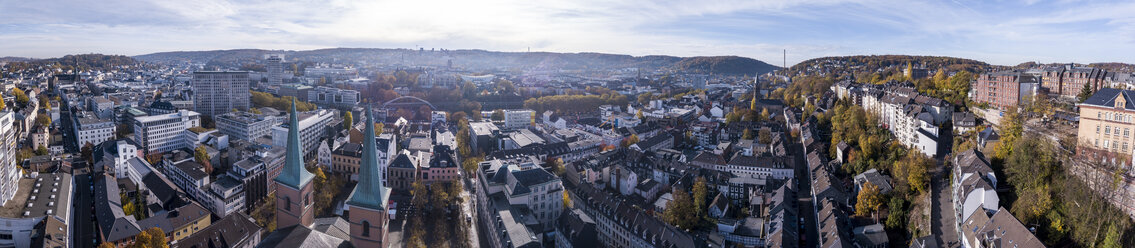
(294, 174)
(370, 191)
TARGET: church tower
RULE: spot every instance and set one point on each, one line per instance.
(294, 204)
(367, 204)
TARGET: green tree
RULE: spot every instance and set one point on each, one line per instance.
(106, 245)
(257, 111)
(439, 196)
(42, 120)
(1113, 239)
(44, 103)
(1085, 93)
(85, 152)
(896, 218)
(747, 134)
(419, 191)
(701, 192)
(40, 151)
(348, 120)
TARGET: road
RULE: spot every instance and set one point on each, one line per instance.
(470, 227)
(83, 227)
(942, 215)
(805, 206)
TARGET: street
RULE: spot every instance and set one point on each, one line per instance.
(942, 215)
(83, 227)
(805, 206)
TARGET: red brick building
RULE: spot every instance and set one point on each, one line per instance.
(1004, 89)
(1068, 81)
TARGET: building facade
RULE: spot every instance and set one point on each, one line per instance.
(312, 125)
(245, 125)
(327, 96)
(1106, 121)
(1067, 81)
(275, 69)
(9, 173)
(1004, 89)
(514, 119)
(89, 129)
(219, 92)
(164, 133)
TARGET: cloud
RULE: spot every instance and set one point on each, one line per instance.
(997, 32)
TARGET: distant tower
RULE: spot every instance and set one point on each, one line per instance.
(293, 185)
(275, 69)
(367, 203)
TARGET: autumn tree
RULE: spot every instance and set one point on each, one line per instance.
(700, 191)
(680, 211)
(764, 136)
(21, 97)
(42, 120)
(201, 155)
(106, 245)
(40, 151)
(348, 120)
(2, 104)
(439, 196)
(498, 115)
(151, 238)
(419, 191)
(868, 200)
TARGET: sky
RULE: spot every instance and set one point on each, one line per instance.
(1004, 32)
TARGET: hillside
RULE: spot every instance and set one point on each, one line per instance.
(470, 59)
(851, 65)
(724, 65)
(79, 61)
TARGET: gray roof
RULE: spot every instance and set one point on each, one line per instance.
(233, 230)
(1106, 98)
(298, 236)
(115, 224)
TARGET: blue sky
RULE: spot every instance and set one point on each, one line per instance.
(1003, 32)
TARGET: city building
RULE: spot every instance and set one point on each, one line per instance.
(519, 200)
(516, 119)
(402, 171)
(113, 156)
(43, 217)
(236, 231)
(334, 97)
(245, 125)
(1068, 81)
(346, 159)
(164, 133)
(1106, 121)
(1005, 89)
(312, 127)
(275, 69)
(90, 129)
(442, 166)
(368, 203)
(9, 172)
(219, 92)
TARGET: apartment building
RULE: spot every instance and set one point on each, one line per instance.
(335, 97)
(1005, 89)
(519, 201)
(514, 119)
(1068, 80)
(911, 117)
(164, 133)
(1107, 119)
(9, 173)
(219, 92)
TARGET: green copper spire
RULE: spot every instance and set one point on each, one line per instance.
(370, 192)
(293, 174)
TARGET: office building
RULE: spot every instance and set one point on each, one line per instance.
(9, 173)
(90, 129)
(275, 69)
(246, 126)
(219, 92)
(334, 97)
(163, 133)
(312, 126)
(515, 119)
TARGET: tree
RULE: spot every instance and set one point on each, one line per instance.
(106, 245)
(322, 191)
(85, 152)
(896, 219)
(44, 103)
(700, 193)
(747, 134)
(765, 136)
(557, 166)
(151, 238)
(470, 165)
(438, 196)
(419, 191)
(257, 111)
(1113, 239)
(764, 115)
(21, 97)
(1085, 93)
(498, 115)
(40, 151)
(868, 200)
(679, 212)
(627, 142)
(348, 120)
(42, 120)
(2, 104)
(201, 155)
(455, 189)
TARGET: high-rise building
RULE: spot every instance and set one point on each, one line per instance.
(163, 133)
(9, 174)
(219, 92)
(275, 69)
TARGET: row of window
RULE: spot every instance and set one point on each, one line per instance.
(1107, 130)
(1107, 144)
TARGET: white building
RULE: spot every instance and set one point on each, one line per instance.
(226, 196)
(219, 92)
(520, 198)
(163, 133)
(9, 173)
(89, 129)
(974, 188)
(514, 119)
(336, 97)
(311, 129)
(246, 126)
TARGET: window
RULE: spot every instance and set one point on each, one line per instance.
(287, 203)
(1107, 130)
(366, 228)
